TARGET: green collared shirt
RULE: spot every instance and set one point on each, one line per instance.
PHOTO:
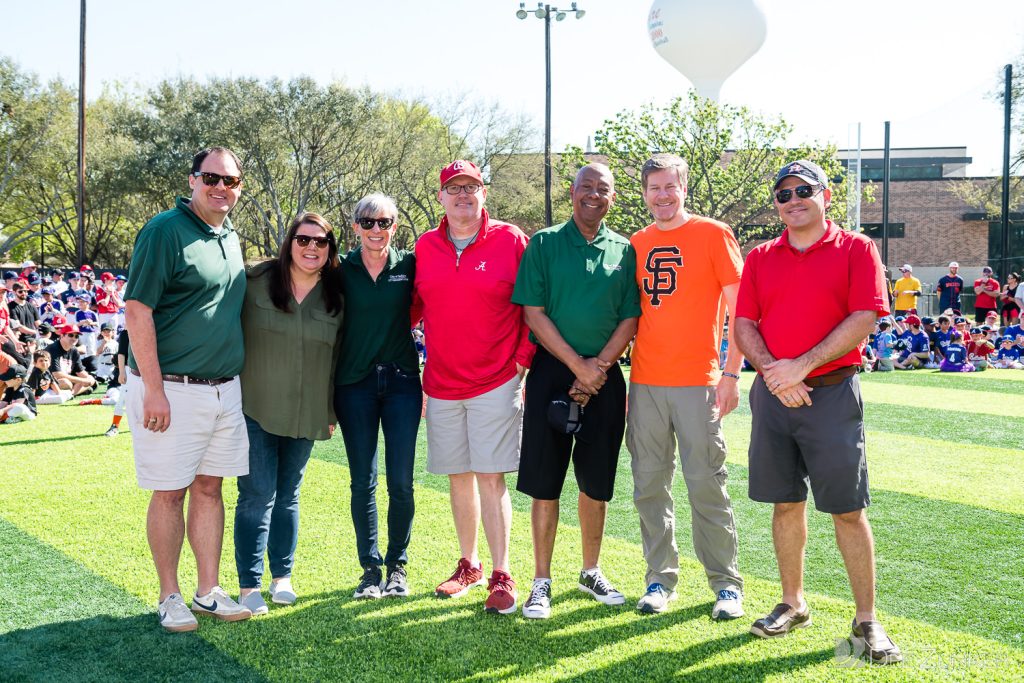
(586, 288)
(378, 328)
(194, 280)
(286, 381)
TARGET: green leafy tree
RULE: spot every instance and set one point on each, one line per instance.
(732, 153)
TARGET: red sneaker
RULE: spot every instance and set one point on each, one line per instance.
(465, 577)
(502, 599)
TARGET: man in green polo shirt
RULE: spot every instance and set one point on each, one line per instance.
(186, 284)
(578, 288)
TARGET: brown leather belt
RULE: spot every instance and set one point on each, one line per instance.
(185, 379)
(830, 378)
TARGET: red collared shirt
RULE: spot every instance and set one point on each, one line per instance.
(798, 297)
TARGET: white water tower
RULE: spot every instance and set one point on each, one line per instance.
(707, 40)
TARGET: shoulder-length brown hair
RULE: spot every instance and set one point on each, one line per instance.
(280, 269)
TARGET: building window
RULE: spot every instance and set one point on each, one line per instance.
(875, 230)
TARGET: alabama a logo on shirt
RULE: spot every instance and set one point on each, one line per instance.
(661, 273)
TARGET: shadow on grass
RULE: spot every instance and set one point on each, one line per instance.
(423, 638)
(111, 648)
(54, 439)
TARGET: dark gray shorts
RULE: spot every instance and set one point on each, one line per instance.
(821, 444)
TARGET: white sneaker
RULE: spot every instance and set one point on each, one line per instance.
(217, 603)
(728, 606)
(282, 593)
(255, 602)
(175, 615)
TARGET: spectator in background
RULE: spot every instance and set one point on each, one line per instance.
(949, 288)
(58, 284)
(88, 324)
(108, 301)
(907, 289)
(885, 343)
(66, 363)
(1009, 305)
(986, 290)
(916, 355)
(24, 316)
(50, 306)
(943, 336)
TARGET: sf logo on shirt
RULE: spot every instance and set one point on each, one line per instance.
(661, 266)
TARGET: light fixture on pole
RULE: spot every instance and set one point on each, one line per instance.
(544, 12)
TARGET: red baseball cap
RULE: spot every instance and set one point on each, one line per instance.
(913, 320)
(86, 267)
(106, 276)
(460, 167)
(58, 321)
(69, 329)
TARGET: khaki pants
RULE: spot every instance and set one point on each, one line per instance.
(658, 418)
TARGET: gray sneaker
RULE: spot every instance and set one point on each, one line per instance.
(255, 602)
(175, 615)
(217, 603)
(656, 599)
(592, 581)
(729, 605)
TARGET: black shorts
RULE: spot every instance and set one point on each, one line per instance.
(821, 444)
(594, 451)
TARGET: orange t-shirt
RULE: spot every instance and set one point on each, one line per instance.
(681, 273)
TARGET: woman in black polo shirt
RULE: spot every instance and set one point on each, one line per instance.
(377, 385)
(291, 320)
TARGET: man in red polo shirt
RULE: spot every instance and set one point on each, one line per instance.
(807, 417)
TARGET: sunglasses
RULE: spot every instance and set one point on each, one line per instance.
(802, 191)
(368, 223)
(304, 240)
(73, 335)
(211, 179)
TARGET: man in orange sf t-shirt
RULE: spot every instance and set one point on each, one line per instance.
(688, 270)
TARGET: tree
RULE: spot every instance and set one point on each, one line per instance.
(732, 153)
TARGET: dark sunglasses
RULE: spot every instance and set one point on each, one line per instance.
(73, 335)
(304, 240)
(368, 223)
(802, 191)
(211, 179)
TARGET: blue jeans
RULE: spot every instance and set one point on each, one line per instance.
(393, 399)
(267, 515)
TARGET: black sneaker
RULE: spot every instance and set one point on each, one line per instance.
(595, 583)
(870, 638)
(369, 583)
(396, 584)
(783, 619)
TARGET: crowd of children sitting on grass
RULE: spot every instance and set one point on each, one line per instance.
(948, 343)
(60, 341)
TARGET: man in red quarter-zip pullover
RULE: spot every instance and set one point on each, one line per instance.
(478, 350)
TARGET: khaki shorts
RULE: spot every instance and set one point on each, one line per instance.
(207, 435)
(479, 434)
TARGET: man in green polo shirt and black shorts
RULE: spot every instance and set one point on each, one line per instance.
(578, 289)
(184, 298)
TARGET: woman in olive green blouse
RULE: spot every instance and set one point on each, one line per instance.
(291, 321)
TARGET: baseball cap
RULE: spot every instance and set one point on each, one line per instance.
(47, 290)
(120, 278)
(84, 297)
(565, 415)
(801, 168)
(34, 279)
(460, 167)
(69, 329)
(10, 275)
(58, 321)
(913, 320)
(958, 320)
(900, 318)
(927, 320)
(86, 267)
(106, 276)
(986, 328)
(13, 371)
(991, 314)
(45, 327)
(907, 268)
(954, 264)
(986, 269)
(28, 264)
(975, 330)
(1006, 338)
(73, 274)
(106, 326)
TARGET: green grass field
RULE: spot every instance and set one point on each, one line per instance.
(945, 452)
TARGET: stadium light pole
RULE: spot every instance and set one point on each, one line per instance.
(544, 12)
(80, 199)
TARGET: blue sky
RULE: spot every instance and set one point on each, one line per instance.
(926, 66)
